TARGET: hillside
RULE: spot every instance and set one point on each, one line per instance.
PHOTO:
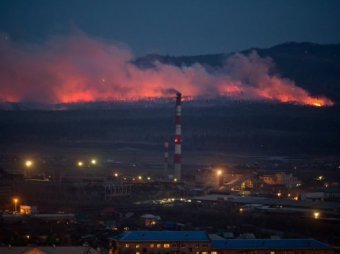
(312, 66)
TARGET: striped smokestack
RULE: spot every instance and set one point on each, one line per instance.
(166, 156)
(178, 138)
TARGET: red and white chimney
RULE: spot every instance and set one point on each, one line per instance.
(166, 156)
(178, 138)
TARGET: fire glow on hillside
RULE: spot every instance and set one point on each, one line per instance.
(82, 69)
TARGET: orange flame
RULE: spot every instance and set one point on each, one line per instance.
(81, 69)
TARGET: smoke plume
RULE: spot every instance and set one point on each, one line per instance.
(78, 68)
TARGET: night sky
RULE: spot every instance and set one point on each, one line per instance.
(175, 27)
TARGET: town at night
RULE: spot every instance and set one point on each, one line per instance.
(169, 127)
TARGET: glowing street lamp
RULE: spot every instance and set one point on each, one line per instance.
(140, 177)
(320, 178)
(15, 200)
(219, 173)
(80, 164)
(116, 174)
(316, 215)
(93, 162)
(28, 163)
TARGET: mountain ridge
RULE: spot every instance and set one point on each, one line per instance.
(315, 67)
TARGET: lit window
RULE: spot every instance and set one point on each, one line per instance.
(137, 252)
(152, 245)
(204, 252)
(127, 245)
(158, 245)
(166, 245)
(272, 252)
(214, 252)
(137, 246)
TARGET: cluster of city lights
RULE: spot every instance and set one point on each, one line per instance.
(140, 178)
(93, 162)
(289, 196)
(172, 200)
(30, 163)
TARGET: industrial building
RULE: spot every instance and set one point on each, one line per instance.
(281, 178)
(199, 242)
(272, 246)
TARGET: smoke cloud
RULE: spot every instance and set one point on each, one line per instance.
(78, 68)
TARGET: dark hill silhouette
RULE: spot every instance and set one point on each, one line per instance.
(312, 66)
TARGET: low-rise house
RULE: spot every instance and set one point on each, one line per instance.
(270, 246)
(199, 242)
(156, 242)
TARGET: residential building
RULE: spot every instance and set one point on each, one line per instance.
(163, 242)
(199, 242)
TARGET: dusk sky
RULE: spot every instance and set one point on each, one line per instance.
(175, 27)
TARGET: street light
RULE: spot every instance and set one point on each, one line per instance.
(219, 173)
(15, 200)
(28, 163)
(316, 215)
(93, 162)
(80, 163)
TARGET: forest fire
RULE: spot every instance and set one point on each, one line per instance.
(81, 69)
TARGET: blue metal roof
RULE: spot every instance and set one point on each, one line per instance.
(169, 236)
(268, 244)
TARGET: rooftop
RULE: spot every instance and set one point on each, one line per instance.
(269, 244)
(165, 236)
(219, 242)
